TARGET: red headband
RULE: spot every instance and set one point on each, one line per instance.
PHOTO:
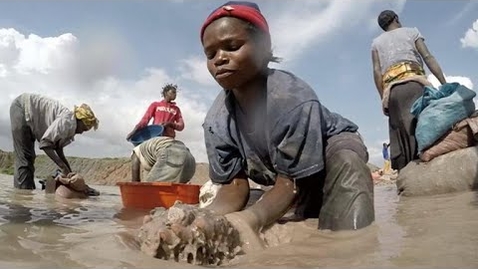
(243, 12)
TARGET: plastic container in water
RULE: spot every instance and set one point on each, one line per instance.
(146, 133)
(149, 195)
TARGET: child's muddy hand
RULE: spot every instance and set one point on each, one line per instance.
(247, 225)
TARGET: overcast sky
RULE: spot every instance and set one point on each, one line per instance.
(116, 56)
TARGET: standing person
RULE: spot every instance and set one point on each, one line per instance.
(386, 158)
(53, 125)
(165, 113)
(397, 56)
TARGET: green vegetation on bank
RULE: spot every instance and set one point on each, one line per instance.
(7, 171)
(6, 162)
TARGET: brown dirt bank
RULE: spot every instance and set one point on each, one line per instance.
(98, 171)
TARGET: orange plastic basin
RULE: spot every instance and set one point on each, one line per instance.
(148, 195)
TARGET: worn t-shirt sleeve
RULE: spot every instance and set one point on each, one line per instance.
(415, 33)
(225, 160)
(59, 133)
(373, 46)
(297, 146)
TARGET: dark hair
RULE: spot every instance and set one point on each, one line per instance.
(168, 87)
(386, 18)
(259, 36)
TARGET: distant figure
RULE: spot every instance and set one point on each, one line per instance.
(377, 176)
(397, 56)
(53, 125)
(166, 159)
(165, 113)
(386, 158)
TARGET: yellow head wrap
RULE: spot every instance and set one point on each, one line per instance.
(86, 115)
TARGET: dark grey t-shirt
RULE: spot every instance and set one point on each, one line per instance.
(283, 134)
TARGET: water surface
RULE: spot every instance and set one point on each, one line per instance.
(39, 230)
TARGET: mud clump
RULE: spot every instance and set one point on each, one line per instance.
(186, 233)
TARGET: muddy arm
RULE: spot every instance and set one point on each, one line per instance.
(61, 154)
(231, 197)
(52, 154)
(430, 60)
(135, 168)
(273, 204)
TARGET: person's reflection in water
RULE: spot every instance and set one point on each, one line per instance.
(18, 225)
(11, 216)
(36, 234)
(14, 213)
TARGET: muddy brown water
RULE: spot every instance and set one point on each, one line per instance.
(38, 231)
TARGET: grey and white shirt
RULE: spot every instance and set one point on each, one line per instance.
(52, 124)
(397, 46)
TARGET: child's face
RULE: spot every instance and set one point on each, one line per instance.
(233, 57)
(170, 95)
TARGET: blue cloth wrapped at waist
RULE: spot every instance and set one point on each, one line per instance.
(438, 110)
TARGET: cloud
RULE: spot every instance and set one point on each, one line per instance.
(465, 81)
(194, 69)
(297, 28)
(60, 67)
(471, 37)
(33, 54)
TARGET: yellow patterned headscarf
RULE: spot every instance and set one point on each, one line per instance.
(86, 115)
